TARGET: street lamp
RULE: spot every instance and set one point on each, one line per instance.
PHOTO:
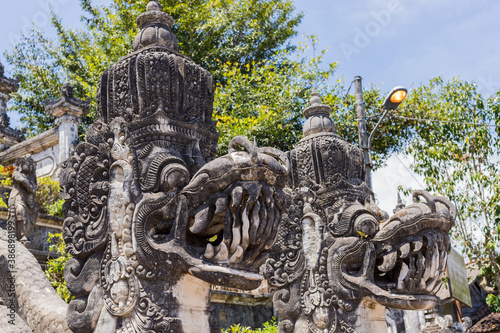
(394, 98)
(391, 102)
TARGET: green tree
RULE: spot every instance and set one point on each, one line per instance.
(268, 327)
(210, 32)
(264, 100)
(455, 145)
(55, 267)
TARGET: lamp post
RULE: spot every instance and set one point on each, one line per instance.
(391, 102)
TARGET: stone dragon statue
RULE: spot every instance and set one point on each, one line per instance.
(152, 218)
(339, 260)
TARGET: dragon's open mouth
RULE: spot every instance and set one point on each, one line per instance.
(406, 275)
(415, 265)
(228, 236)
(237, 227)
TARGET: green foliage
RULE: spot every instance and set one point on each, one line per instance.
(3, 204)
(48, 197)
(210, 32)
(493, 302)
(269, 327)
(55, 267)
(459, 160)
(5, 181)
(264, 100)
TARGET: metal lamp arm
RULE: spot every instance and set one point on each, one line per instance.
(376, 127)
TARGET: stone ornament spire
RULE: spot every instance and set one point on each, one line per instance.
(317, 117)
(67, 105)
(155, 28)
(7, 86)
(68, 111)
(400, 205)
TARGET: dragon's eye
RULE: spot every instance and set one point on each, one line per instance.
(366, 225)
(173, 176)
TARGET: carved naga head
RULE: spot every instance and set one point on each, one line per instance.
(147, 203)
(336, 248)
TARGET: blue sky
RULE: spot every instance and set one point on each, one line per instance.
(397, 42)
(388, 43)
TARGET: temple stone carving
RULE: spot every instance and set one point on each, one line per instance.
(22, 207)
(68, 110)
(52, 147)
(339, 260)
(152, 218)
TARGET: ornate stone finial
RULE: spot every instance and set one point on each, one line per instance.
(67, 90)
(7, 85)
(68, 110)
(153, 5)
(318, 116)
(155, 28)
(400, 205)
(67, 104)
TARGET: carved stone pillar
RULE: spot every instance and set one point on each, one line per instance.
(7, 86)
(68, 110)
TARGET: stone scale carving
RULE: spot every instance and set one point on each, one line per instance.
(152, 218)
(339, 260)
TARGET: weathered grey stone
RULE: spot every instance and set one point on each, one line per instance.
(68, 110)
(23, 210)
(11, 322)
(152, 218)
(24, 287)
(339, 260)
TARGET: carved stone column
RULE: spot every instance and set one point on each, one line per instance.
(7, 86)
(68, 110)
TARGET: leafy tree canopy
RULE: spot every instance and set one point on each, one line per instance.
(455, 146)
(210, 32)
